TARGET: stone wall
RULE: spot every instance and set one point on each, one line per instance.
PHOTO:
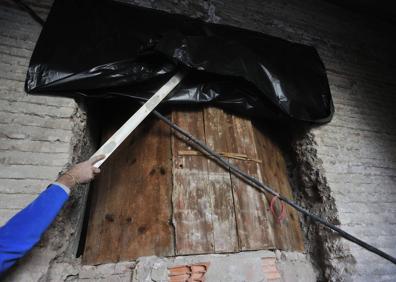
(354, 155)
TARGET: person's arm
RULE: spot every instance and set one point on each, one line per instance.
(25, 229)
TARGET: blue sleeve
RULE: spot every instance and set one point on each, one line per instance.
(24, 229)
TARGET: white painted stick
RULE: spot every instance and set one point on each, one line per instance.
(121, 134)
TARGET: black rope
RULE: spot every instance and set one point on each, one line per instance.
(264, 188)
(242, 175)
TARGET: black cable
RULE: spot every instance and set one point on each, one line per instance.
(32, 13)
(247, 178)
(264, 188)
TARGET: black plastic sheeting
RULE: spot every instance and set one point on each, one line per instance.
(102, 49)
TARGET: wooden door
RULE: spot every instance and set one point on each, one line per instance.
(159, 196)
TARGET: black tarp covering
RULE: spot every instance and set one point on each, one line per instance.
(101, 48)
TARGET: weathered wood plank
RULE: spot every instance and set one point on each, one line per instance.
(223, 214)
(131, 210)
(101, 232)
(288, 234)
(254, 230)
(192, 207)
(147, 228)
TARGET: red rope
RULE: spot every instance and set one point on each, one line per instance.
(282, 214)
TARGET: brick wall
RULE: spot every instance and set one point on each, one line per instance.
(359, 157)
(35, 132)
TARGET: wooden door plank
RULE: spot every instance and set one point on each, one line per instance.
(146, 227)
(192, 207)
(131, 213)
(104, 209)
(223, 214)
(288, 235)
(254, 231)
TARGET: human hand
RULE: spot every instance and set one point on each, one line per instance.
(80, 173)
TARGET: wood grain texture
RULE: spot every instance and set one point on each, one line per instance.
(147, 186)
(131, 207)
(101, 231)
(223, 216)
(192, 199)
(288, 235)
(254, 230)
